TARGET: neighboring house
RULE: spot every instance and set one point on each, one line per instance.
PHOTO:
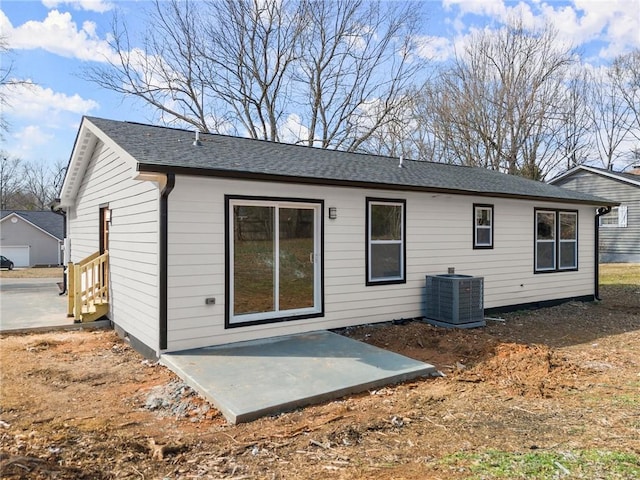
(31, 237)
(222, 239)
(619, 229)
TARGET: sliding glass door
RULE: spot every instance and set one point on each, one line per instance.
(274, 260)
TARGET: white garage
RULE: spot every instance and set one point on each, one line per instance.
(19, 255)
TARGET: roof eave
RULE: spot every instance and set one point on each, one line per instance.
(83, 147)
(267, 177)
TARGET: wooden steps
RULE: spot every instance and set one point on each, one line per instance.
(94, 311)
(89, 288)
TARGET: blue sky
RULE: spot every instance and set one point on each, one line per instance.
(52, 40)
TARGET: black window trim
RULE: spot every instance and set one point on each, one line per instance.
(403, 202)
(557, 268)
(492, 229)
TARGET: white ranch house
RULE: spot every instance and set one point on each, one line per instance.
(227, 239)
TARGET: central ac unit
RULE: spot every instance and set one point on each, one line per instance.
(454, 300)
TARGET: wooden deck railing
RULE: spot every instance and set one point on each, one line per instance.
(88, 285)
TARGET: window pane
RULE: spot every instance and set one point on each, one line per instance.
(483, 236)
(386, 222)
(545, 256)
(253, 259)
(568, 255)
(610, 218)
(568, 226)
(545, 225)
(483, 216)
(386, 260)
(296, 258)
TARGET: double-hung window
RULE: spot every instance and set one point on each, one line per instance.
(386, 256)
(556, 240)
(482, 226)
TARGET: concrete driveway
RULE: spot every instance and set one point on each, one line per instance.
(32, 303)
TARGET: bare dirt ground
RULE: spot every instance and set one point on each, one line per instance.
(553, 393)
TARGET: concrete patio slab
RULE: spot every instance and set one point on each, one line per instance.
(249, 380)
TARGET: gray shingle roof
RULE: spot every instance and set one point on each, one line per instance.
(163, 149)
(48, 221)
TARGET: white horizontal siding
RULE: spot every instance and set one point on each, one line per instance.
(133, 239)
(439, 235)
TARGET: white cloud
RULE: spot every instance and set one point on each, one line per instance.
(435, 48)
(39, 121)
(31, 137)
(293, 130)
(490, 8)
(58, 34)
(36, 102)
(614, 23)
(623, 25)
(99, 6)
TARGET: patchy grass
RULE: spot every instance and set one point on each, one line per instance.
(544, 465)
(45, 272)
(620, 274)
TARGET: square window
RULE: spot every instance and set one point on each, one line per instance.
(546, 226)
(386, 260)
(545, 256)
(483, 237)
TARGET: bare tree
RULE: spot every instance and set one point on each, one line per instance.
(625, 75)
(498, 105)
(610, 115)
(250, 48)
(166, 71)
(39, 185)
(356, 62)
(28, 185)
(575, 138)
(10, 181)
(249, 66)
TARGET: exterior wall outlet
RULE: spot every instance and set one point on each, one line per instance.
(210, 301)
